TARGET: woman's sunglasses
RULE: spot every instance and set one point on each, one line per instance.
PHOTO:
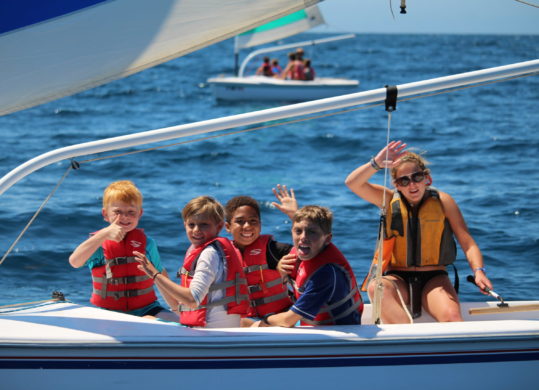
(416, 177)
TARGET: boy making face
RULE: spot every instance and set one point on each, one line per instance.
(309, 239)
(326, 289)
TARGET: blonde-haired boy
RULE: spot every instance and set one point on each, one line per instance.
(118, 284)
(213, 289)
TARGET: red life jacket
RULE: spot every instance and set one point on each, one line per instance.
(236, 298)
(330, 255)
(267, 70)
(267, 292)
(118, 284)
(298, 72)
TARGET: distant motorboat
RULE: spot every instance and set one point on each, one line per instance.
(260, 88)
(263, 88)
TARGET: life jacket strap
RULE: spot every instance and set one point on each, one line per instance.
(123, 293)
(254, 268)
(340, 302)
(264, 300)
(221, 302)
(238, 297)
(121, 279)
(183, 271)
(257, 288)
(332, 320)
(121, 260)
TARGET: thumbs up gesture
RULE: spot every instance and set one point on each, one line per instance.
(115, 231)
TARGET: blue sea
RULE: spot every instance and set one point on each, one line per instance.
(482, 143)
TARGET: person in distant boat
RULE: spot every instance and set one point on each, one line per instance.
(118, 284)
(213, 290)
(294, 68)
(265, 69)
(268, 293)
(421, 223)
(275, 67)
(300, 53)
(308, 70)
(325, 287)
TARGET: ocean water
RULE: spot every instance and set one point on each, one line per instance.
(483, 145)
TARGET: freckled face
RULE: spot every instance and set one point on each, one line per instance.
(129, 214)
(309, 239)
(201, 229)
(413, 192)
(244, 226)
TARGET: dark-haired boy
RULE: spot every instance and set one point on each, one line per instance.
(268, 293)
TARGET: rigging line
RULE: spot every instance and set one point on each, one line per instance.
(21, 234)
(530, 4)
(26, 304)
(378, 284)
(391, 105)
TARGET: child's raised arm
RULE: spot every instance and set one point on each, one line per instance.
(82, 253)
(288, 203)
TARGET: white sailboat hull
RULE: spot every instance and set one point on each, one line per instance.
(59, 345)
(262, 88)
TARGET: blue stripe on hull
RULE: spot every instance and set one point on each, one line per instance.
(264, 363)
(15, 14)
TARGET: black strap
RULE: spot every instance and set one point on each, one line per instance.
(456, 282)
(391, 97)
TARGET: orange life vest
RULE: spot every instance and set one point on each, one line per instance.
(435, 244)
(267, 292)
(330, 255)
(236, 299)
(118, 284)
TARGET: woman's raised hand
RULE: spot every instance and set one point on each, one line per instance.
(390, 154)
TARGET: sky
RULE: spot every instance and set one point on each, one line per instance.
(431, 16)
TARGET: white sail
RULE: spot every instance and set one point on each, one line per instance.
(95, 42)
(286, 26)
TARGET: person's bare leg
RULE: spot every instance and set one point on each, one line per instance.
(392, 310)
(440, 299)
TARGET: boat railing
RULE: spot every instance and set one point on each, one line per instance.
(409, 90)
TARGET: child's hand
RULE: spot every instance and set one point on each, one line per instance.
(145, 265)
(286, 265)
(288, 203)
(115, 231)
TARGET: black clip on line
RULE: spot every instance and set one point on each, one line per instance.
(403, 6)
(391, 98)
(471, 279)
